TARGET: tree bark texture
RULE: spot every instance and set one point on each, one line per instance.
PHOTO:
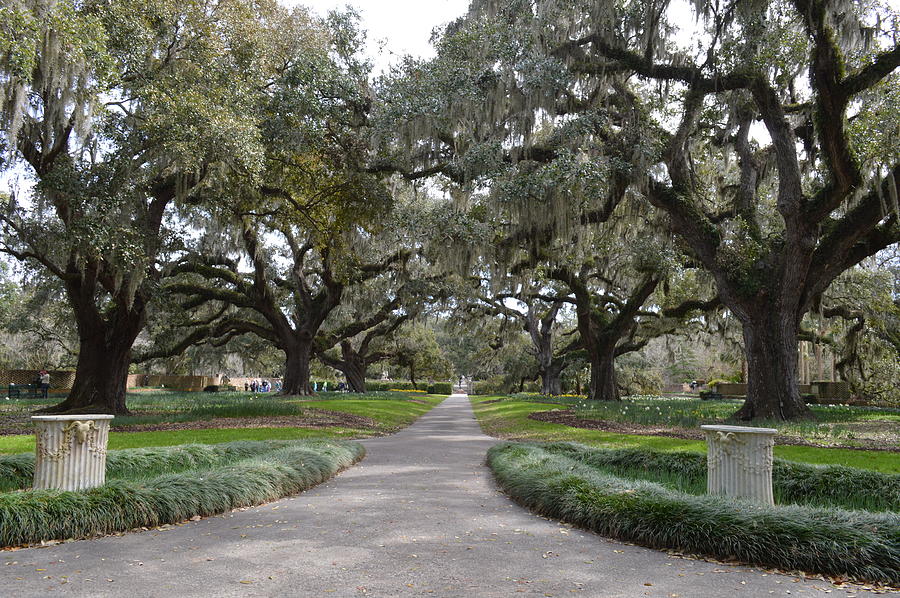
(551, 384)
(603, 374)
(770, 342)
(100, 376)
(104, 354)
(356, 376)
(296, 369)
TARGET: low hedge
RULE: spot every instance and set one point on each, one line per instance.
(437, 388)
(121, 504)
(17, 471)
(858, 544)
(440, 388)
(831, 485)
(384, 385)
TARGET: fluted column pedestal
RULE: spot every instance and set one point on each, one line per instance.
(70, 451)
(739, 462)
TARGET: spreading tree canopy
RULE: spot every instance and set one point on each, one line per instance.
(121, 112)
(766, 143)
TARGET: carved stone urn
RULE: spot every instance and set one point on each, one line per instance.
(70, 451)
(739, 462)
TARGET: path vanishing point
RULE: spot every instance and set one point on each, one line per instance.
(419, 516)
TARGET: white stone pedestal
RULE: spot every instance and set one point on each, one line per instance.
(70, 451)
(739, 462)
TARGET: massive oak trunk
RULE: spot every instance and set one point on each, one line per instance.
(356, 376)
(603, 373)
(770, 342)
(352, 364)
(104, 355)
(296, 368)
(100, 376)
(551, 384)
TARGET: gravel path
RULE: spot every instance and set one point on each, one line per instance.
(420, 516)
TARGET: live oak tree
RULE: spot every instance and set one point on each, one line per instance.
(557, 204)
(121, 112)
(857, 323)
(829, 212)
(365, 329)
(538, 314)
(358, 352)
(297, 279)
(775, 216)
(544, 185)
(417, 354)
(359, 331)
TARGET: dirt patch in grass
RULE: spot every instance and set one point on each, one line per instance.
(568, 418)
(308, 418)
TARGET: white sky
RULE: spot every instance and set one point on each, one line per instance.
(402, 26)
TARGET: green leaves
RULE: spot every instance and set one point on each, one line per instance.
(19, 30)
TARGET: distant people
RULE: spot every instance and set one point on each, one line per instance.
(315, 387)
(44, 378)
(253, 386)
(278, 386)
(341, 387)
(325, 386)
(694, 385)
(246, 386)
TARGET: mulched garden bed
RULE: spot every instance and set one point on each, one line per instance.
(568, 418)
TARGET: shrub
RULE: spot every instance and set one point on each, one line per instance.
(385, 385)
(496, 385)
(858, 544)
(639, 381)
(16, 471)
(440, 388)
(122, 504)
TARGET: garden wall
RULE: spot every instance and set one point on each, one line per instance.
(732, 388)
(829, 391)
(825, 391)
(60, 380)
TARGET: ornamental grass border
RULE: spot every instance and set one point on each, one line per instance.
(227, 479)
(860, 545)
(17, 470)
(801, 483)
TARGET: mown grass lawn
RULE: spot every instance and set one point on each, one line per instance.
(508, 418)
(390, 411)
